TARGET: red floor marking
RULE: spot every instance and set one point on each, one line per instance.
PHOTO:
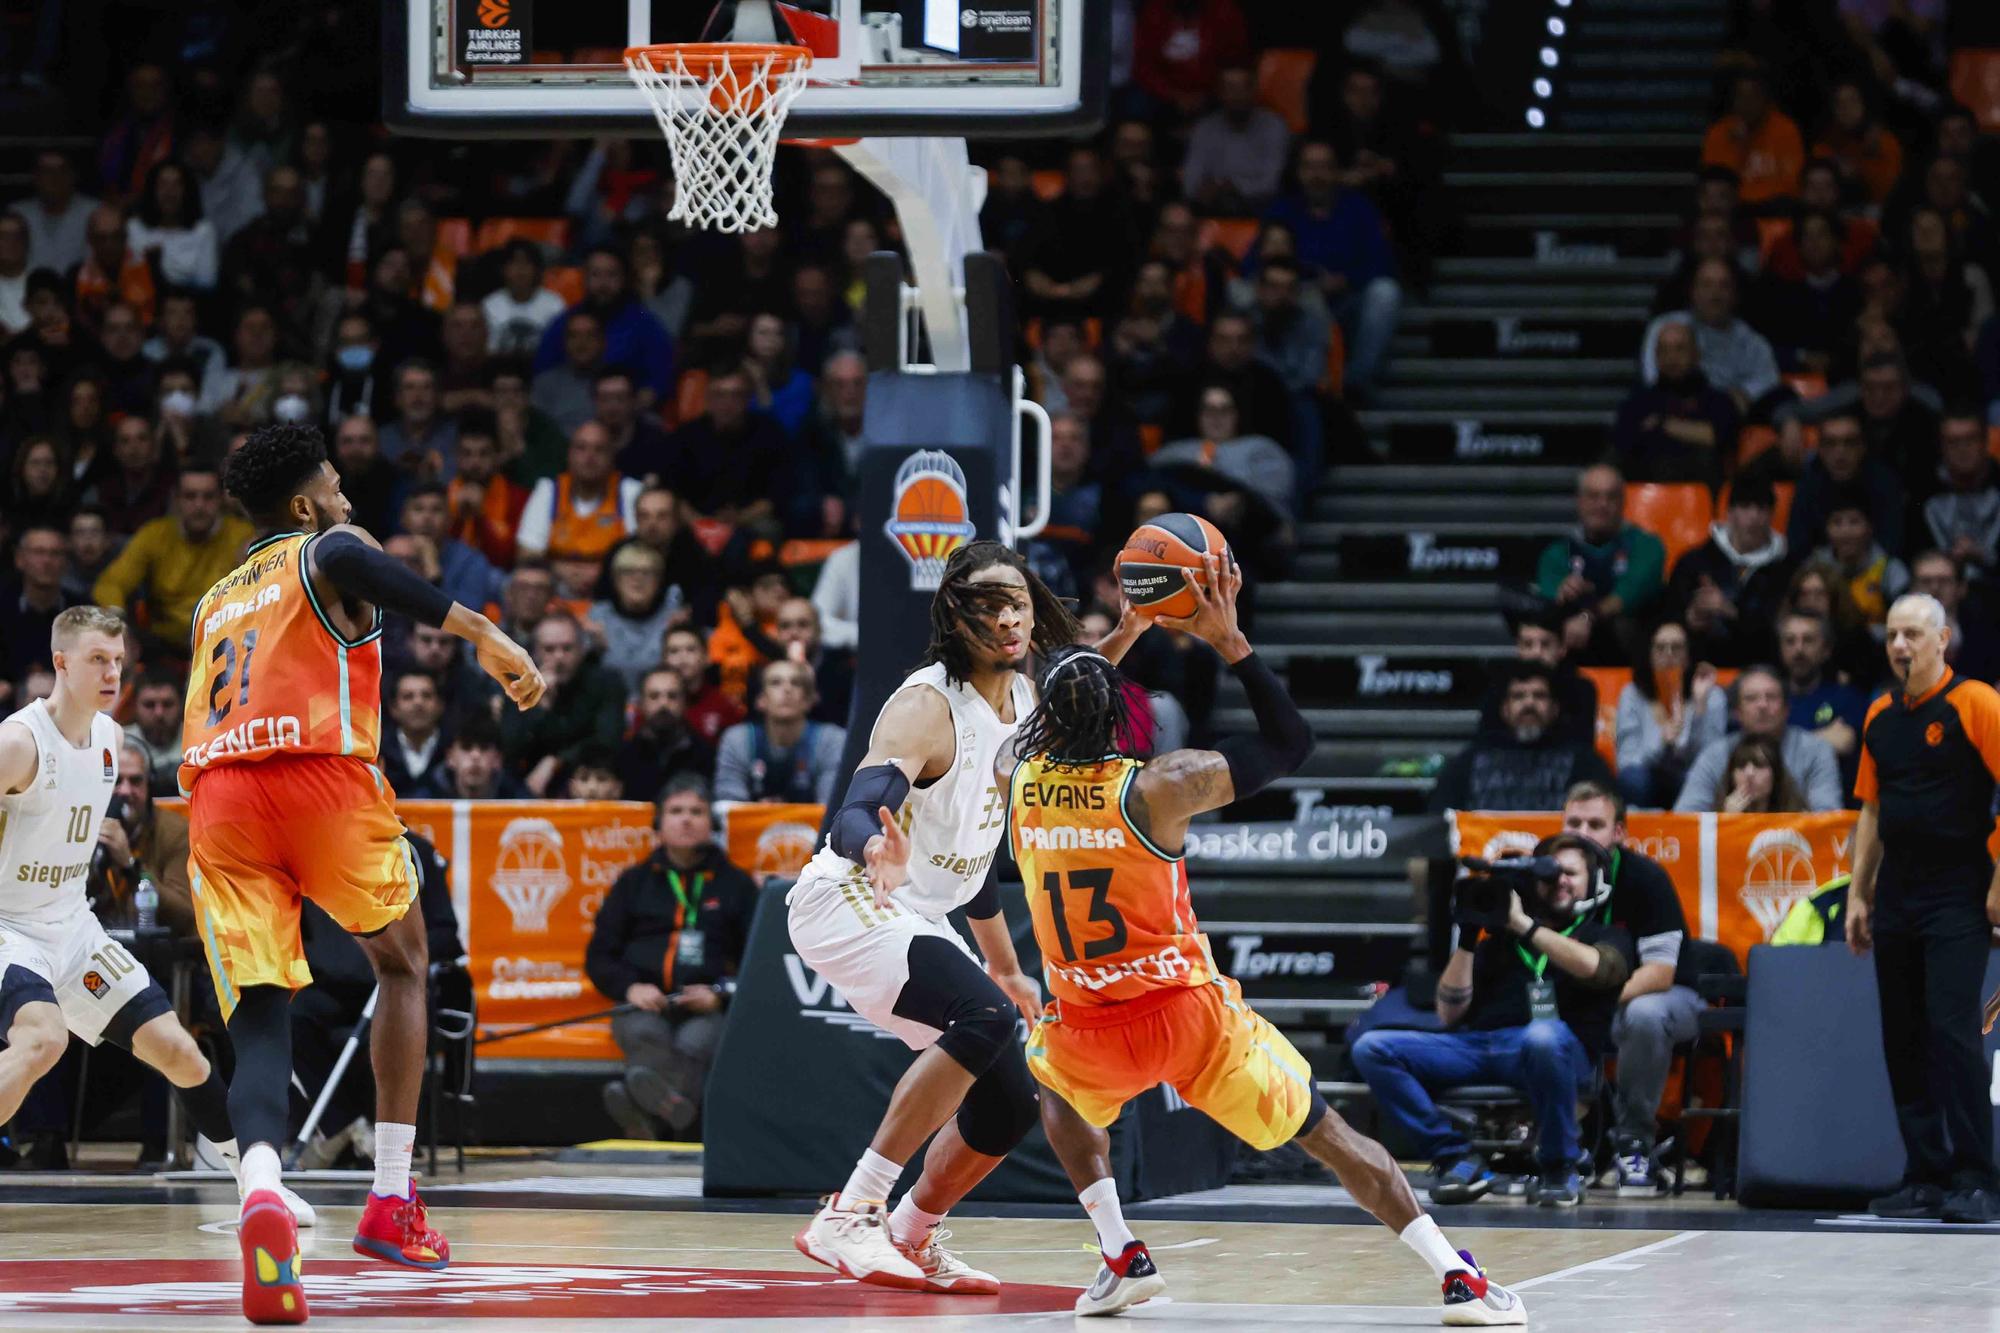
(180, 1287)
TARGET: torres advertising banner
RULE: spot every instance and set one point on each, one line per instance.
(1737, 875)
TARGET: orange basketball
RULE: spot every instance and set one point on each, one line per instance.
(1162, 560)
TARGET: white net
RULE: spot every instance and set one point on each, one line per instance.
(722, 108)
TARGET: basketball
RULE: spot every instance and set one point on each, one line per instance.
(1162, 561)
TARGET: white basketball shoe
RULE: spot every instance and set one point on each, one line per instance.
(855, 1242)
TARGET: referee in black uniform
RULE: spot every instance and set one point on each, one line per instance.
(1924, 894)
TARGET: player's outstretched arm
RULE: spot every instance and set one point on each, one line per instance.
(1184, 783)
(348, 559)
(913, 740)
(18, 757)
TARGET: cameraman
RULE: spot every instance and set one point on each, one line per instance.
(1658, 1007)
(1529, 1006)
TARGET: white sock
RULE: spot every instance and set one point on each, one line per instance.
(394, 1145)
(1101, 1202)
(261, 1169)
(1424, 1237)
(910, 1224)
(874, 1176)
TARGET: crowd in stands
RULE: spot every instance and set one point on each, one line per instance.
(1822, 375)
(633, 445)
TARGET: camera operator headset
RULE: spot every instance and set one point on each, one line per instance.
(1504, 899)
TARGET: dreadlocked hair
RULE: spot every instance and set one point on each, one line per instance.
(274, 462)
(962, 608)
(1084, 714)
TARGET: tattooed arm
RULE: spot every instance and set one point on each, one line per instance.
(1174, 789)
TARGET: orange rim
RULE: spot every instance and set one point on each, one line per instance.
(704, 58)
(818, 143)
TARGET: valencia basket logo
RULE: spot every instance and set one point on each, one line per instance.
(1777, 873)
(929, 519)
(784, 849)
(528, 873)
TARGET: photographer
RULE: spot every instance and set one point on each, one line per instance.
(136, 836)
(1528, 1005)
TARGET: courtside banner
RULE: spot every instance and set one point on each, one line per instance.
(527, 878)
(1737, 875)
(769, 840)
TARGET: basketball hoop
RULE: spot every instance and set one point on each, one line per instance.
(722, 107)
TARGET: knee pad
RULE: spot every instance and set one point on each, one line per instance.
(977, 1031)
(1001, 1107)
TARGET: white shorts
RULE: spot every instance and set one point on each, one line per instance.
(864, 951)
(93, 975)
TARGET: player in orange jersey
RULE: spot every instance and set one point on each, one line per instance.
(285, 802)
(1138, 997)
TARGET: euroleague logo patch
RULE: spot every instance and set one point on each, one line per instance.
(1934, 734)
(495, 13)
(213, 1289)
(94, 982)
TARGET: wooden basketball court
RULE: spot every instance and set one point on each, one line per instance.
(545, 1246)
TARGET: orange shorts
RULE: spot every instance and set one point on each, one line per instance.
(264, 834)
(1206, 1043)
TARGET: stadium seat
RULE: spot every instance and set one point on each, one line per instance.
(454, 236)
(1752, 441)
(1234, 236)
(1993, 441)
(1151, 436)
(1284, 74)
(1049, 185)
(1610, 683)
(598, 55)
(1806, 386)
(1975, 82)
(1784, 490)
(550, 233)
(1336, 364)
(566, 281)
(690, 396)
(1770, 231)
(1678, 513)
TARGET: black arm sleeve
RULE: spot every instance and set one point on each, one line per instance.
(856, 821)
(353, 566)
(1283, 739)
(985, 904)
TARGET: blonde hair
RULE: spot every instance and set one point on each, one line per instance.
(80, 620)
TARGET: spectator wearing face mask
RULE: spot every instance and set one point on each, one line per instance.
(178, 338)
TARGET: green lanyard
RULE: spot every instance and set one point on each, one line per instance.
(690, 908)
(1540, 963)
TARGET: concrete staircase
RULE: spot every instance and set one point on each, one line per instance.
(1505, 378)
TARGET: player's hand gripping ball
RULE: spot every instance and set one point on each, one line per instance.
(1162, 561)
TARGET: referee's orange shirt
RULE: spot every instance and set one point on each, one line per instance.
(1930, 764)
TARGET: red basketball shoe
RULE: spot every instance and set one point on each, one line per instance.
(396, 1230)
(272, 1291)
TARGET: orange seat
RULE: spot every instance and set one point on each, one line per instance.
(691, 396)
(1675, 512)
(598, 55)
(1975, 81)
(1151, 436)
(566, 281)
(552, 233)
(1234, 235)
(1770, 231)
(1993, 441)
(454, 235)
(1284, 74)
(1049, 185)
(1610, 683)
(548, 58)
(1754, 440)
(1336, 364)
(1781, 513)
(1806, 386)
(799, 551)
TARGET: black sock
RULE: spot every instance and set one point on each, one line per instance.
(208, 1107)
(260, 1093)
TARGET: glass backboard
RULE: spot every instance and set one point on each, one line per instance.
(544, 68)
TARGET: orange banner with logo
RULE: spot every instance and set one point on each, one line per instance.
(769, 841)
(1737, 875)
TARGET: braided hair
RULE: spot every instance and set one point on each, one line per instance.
(1084, 715)
(961, 608)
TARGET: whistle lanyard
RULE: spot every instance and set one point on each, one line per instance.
(690, 907)
(1540, 962)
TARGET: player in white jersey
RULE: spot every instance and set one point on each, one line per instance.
(59, 972)
(914, 839)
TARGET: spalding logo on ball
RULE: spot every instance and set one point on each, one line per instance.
(1162, 561)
